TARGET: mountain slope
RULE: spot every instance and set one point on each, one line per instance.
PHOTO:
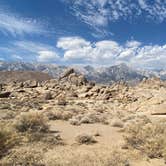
(105, 75)
(21, 76)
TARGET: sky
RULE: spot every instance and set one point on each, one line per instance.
(84, 32)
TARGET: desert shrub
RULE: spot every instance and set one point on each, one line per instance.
(23, 156)
(117, 158)
(85, 139)
(117, 123)
(59, 115)
(148, 137)
(9, 115)
(74, 121)
(86, 157)
(53, 140)
(88, 118)
(62, 101)
(31, 122)
(8, 139)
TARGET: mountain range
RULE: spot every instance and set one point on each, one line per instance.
(104, 75)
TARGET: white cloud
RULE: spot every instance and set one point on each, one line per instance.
(142, 4)
(77, 50)
(72, 43)
(109, 52)
(13, 24)
(31, 51)
(133, 43)
(99, 13)
(17, 57)
(47, 56)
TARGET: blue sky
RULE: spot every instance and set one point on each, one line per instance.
(97, 32)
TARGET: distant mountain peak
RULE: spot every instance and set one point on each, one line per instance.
(104, 75)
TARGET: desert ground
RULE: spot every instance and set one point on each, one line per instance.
(73, 122)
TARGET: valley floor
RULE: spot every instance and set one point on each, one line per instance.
(59, 124)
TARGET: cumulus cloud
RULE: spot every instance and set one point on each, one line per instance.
(47, 56)
(133, 43)
(72, 43)
(109, 52)
(13, 24)
(77, 50)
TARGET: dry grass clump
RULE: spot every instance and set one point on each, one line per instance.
(85, 139)
(23, 156)
(147, 137)
(34, 127)
(89, 118)
(53, 140)
(88, 157)
(31, 122)
(62, 101)
(74, 121)
(8, 139)
(117, 123)
(59, 115)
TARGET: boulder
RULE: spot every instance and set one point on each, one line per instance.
(67, 73)
(1, 87)
(30, 84)
(48, 96)
(5, 94)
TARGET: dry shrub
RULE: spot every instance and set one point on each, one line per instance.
(34, 127)
(147, 137)
(62, 101)
(85, 139)
(24, 156)
(74, 121)
(59, 115)
(89, 118)
(94, 118)
(31, 122)
(117, 123)
(9, 115)
(88, 157)
(8, 139)
(53, 140)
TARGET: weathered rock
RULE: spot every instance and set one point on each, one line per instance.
(1, 87)
(85, 139)
(48, 96)
(30, 84)
(67, 73)
(5, 94)
(82, 80)
(71, 94)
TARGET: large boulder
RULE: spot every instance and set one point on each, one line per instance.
(77, 80)
(5, 94)
(67, 73)
(30, 84)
